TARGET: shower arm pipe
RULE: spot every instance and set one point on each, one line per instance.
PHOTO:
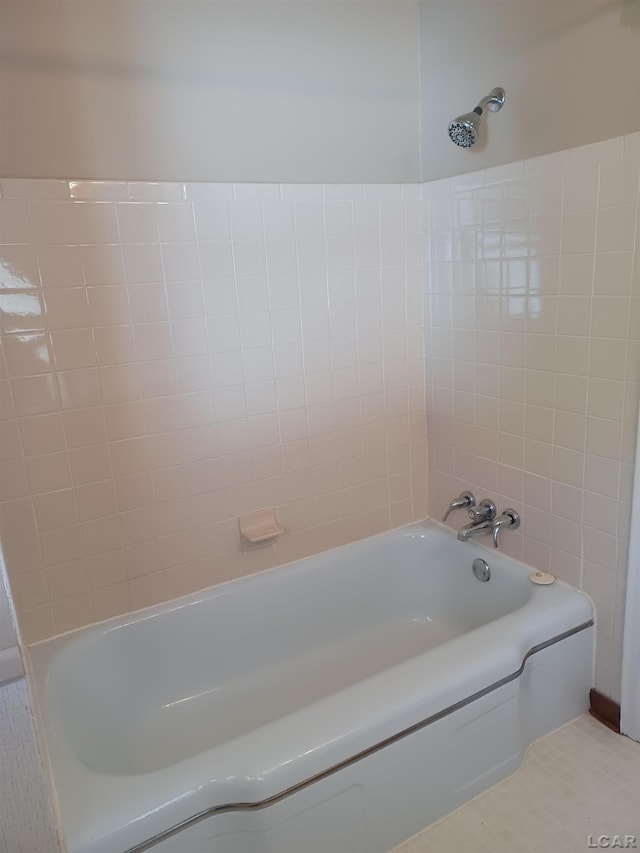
(494, 101)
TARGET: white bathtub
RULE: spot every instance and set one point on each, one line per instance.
(333, 705)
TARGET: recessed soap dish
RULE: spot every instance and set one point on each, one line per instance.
(260, 526)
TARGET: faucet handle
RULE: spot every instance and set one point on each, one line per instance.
(485, 511)
(466, 499)
(509, 519)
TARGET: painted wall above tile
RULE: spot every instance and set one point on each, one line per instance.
(210, 91)
(305, 91)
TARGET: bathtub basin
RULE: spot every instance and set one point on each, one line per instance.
(253, 716)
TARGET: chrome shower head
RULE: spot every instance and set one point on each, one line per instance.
(465, 130)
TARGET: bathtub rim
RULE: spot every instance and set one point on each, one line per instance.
(176, 603)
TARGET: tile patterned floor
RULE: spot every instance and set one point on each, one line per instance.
(576, 784)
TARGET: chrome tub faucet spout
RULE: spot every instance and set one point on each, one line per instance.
(484, 519)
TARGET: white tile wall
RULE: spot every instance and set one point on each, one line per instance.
(177, 355)
(533, 361)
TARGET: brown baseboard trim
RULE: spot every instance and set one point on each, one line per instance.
(605, 710)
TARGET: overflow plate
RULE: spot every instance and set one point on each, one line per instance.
(481, 569)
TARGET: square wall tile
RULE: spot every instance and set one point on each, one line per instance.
(177, 355)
